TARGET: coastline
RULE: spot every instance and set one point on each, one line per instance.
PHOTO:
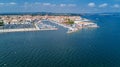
(35, 22)
(71, 29)
(25, 29)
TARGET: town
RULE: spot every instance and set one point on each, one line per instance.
(15, 23)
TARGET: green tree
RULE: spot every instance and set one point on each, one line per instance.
(70, 21)
(1, 23)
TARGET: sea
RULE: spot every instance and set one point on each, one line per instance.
(88, 47)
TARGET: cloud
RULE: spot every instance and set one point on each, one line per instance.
(91, 4)
(12, 3)
(37, 7)
(116, 6)
(27, 4)
(38, 3)
(67, 5)
(2, 3)
(71, 5)
(46, 4)
(8, 4)
(103, 5)
(53, 5)
(63, 5)
(49, 4)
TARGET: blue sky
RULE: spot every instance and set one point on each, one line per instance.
(60, 6)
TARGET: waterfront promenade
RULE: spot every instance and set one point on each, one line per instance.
(25, 29)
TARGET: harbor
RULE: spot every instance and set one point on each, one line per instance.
(77, 26)
(17, 23)
(26, 27)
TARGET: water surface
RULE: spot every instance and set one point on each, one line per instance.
(90, 47)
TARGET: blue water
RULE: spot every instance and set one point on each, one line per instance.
(90, 47)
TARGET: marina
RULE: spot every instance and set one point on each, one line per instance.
(26, 27)
(34, 23)
(72, 29)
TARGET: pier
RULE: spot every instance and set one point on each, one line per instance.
(25, 29)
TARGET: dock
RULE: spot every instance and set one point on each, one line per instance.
(25, 29)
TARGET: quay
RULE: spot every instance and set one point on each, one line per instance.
(25, 29)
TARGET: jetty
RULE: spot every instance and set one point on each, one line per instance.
(25, 29)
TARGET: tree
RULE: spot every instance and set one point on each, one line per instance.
(70, 21)
(1, 23)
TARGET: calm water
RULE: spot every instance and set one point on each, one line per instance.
(96, 47)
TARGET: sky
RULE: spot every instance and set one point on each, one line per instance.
(60, 6)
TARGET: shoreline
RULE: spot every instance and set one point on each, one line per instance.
(71, 29)
(71, 23)
(36, 28)
(68, 27)
(25, 29)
